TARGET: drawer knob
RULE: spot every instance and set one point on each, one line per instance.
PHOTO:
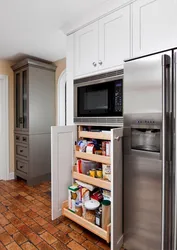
(21, 150)
(24, 138)
(21, 166)
(94, 64)
(17, 137)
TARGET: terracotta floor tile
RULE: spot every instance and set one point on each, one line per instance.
(63, 237)
(16, 222)
(75, 246)
(34, 238)
(103, 245)
(37, 228)
(8, 215)
(28, 221)
(50, 228)
(90, 236)
(13, 246)
(1, 230)
(64, 228)
(90, 246)
(19, 238)
(31, 214)
(28, 246)
(10, 229)
(44, 246)
(48, 238)
(30, 198)
(59, 246)
(77, 237)
(2, 247)
(76, 227)
(6, 203)
(3, 220)
(40, 221)
(25, 230)
(5, 238)
(2, 209)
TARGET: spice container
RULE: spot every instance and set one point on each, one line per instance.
(91, 207)
(98, 152)
(73, 197)
(106, 172)
(108, 148)
(98, 218)
(106, 213)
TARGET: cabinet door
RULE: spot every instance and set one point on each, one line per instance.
(114, 39)
(62, 159)
(154, 26)
(18, 118)
(86, 50)
(24, 101)
(116, 188)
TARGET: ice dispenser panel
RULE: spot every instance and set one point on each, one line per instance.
(145, 139)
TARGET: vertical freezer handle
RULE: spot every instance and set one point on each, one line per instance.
(165, 83)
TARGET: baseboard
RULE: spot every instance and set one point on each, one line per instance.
(11, 176)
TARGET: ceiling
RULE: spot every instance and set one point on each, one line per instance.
(33, 27)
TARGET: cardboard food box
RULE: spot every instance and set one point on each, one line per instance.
(73, 197)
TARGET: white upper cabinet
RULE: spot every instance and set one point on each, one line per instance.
(154, 26)
(114, 38)
(86, 50)
(104, 44)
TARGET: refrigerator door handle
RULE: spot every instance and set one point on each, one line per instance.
(165, 83)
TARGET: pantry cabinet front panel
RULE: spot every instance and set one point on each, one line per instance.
(154, 26)
(116, 188)
(62, 160)
(114, 38)
(86, 50)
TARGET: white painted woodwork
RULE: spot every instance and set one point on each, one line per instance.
(116, 188)
(69, 81)
(114, 38)
(61, 108)
(86, 49)
(4, 128)
(62, 160)
(154, 26)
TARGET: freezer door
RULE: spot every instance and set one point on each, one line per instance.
(143, 85)
(147, 179)
(174, 173)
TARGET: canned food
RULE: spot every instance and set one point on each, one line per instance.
(99, 173)
(93, 173)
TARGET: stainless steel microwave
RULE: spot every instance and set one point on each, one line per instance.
(99, 99)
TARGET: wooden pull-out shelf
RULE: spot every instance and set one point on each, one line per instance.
(95, 135)
(93, 157)
(93, 181)
(86, 224)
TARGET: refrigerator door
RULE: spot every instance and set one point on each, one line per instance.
(174, 173)
(147, 96)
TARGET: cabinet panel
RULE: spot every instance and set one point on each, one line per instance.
(154, 25)
(62, 160)
(114, 38)
(17, 100)
(25, 98)
(86, 50)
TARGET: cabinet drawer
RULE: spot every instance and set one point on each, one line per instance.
(22, 166)
(22, 151)
(21, 138)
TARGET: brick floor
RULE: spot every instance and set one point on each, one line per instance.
(25, 221)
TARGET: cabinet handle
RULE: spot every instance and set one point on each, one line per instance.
(100, 62)
(94, 64)
(24, 139)
(17, 138)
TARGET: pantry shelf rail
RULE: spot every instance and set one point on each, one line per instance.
(104, 234)
(93, 157)
(93, 181)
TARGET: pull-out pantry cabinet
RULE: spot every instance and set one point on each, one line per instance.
(64, 156)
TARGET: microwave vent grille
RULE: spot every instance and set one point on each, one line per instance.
(99, 77)
(99, 120)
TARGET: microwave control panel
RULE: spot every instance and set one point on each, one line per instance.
(118, 97)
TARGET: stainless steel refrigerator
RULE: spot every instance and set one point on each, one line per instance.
(150, 174)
